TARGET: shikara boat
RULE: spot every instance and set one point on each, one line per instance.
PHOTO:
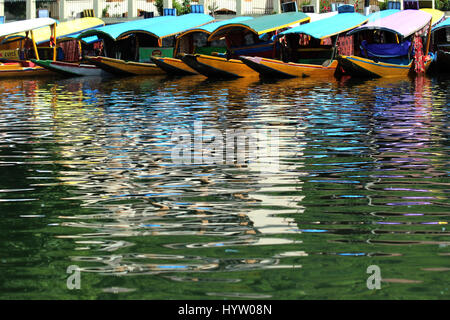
(72, 69)
(251, 38)
(441, 46)
(308, 50)
(129, 46)
(386, 49)
(15, 55)
(65, 32)
(194, 41)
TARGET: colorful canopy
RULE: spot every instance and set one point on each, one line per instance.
(442, 25)
(320, 16)
(328, 27)
(113, 31)
(263, 24)
(179, 24)
(159, 27)
(381, 14)
(437, 15)
(403, 23)
(25, 25)
(211, 27)
(65, 29)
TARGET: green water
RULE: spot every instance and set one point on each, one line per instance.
(87, 179)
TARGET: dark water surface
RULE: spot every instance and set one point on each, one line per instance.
(86, 179)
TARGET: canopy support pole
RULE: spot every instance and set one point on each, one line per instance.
(53, 27)
(34, 45)
(428, 40)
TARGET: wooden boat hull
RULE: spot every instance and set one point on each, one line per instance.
(218, 67)
(442, 63)
(174, 66)
(361, 67)
(17, 70)
(125, 68)
(279, 69)
(71, 69)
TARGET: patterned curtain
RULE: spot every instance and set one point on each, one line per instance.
(419, 58)
(345, 45)
(71, 50)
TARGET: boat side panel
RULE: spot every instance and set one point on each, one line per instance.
(231, 66)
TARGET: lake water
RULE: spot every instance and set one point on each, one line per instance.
(87, 180)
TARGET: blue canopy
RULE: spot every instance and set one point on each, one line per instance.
(442, 25)
(86, 39)
(113, 31)
(159, 27)
(91, 39)
(328, 27)
(211, 27)
(172, 27)
(381, 14)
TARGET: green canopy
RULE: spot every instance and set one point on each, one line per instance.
(262, 24)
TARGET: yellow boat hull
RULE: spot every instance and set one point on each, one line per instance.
(357, 66)
(218, 67)
(280, 69)
(121, 67)
(174, 66)
(17, 70)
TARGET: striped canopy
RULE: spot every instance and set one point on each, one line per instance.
(403, 23)
(330, 26)
(262, 24)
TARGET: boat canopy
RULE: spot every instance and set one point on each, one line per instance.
(437, 15)
(211, 27)
(9, 28)
(381, 14)
(320, 16)
(179, 24)
(262, 24)
(159, 27)
(403, 23)
(328, 27)
(64, 30)
(444, 24)
(113, 31)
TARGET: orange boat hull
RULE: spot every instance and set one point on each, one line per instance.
(280, 69)
(121, 67)
(218, 67)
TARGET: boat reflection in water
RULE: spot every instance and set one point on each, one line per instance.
(361, 178)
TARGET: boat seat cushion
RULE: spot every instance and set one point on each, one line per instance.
(386, 50)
